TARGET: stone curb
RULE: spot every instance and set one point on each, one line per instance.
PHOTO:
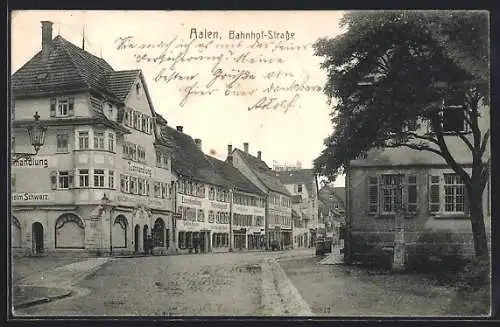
(42, 300)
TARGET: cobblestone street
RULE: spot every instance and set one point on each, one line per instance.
(289, 283)
(216, 284)
(338, 290)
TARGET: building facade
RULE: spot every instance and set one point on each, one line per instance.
(303, 185)
(90, 187)
(431, 194)
(209, 193)
(278, 209)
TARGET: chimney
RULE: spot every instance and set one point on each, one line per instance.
(198, 143)
(230, 153)
(259, 155)
(245, 147)
(179, 128)
(46, 38)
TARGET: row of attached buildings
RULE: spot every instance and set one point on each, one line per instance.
(113, 175)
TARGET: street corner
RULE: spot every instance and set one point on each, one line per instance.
(24, 296)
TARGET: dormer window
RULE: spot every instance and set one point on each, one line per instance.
(110, 111)
(62, 107)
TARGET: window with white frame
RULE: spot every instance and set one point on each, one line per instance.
(454, 193)
(99, 140)
(111, 179)
(83, 177)
(83, 140)
(111, 142)
(98, 177)
(125, 183)
(63, 180)
(164, 191)
(133, 185)
(62, 142)
(391, 192)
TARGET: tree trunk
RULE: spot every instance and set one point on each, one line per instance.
(477, 224)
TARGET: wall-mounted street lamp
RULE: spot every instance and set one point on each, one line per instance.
(36, 134)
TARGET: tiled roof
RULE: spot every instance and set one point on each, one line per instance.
(297, 176)
(121, 82)
(328, 193)
(67, 68)
(187, 159)
(233, 177)
(263, 172)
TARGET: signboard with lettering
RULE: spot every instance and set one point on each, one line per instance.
(217, 205)
(189, 200)
(133, 200)
(140, 169)
(34, 162)
(33, 197)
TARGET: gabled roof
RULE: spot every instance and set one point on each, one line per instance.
(328, 193)
(263, 172)
(297, 176)
(187, 159)
(121, 82)
(233, 177)
(67, 68)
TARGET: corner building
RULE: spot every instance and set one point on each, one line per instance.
(91, 188)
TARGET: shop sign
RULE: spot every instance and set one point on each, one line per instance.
(186, 200)
(216, 205)
(141, 169)
(33, 162)
(33, 197)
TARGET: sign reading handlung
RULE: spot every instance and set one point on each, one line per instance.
(32, 197)
(33, 162)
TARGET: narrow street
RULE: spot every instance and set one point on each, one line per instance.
(238, 284)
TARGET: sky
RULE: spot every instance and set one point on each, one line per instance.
(203, 74)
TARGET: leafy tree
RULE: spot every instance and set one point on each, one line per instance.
(389, 75)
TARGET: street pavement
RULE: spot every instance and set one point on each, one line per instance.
(339, 290)
(287, 283)
(225, 284)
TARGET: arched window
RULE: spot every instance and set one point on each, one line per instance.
(70, 232)
(119, 235)
(159, 233)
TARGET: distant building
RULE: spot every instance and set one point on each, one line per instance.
(332, 209)
(278, 224)
(303, 185)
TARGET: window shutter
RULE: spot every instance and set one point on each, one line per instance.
(52, 107)
(71, 175)
(71, 107)
(373, 194)
(13, 182)
(53, 180)
(412, 193)
(434, 194)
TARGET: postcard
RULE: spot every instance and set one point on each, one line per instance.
(250, 163)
